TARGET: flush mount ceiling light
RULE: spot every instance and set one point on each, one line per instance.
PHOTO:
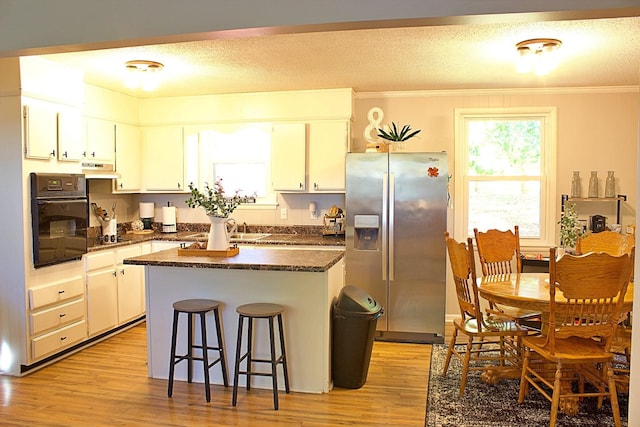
(537, 55)
(143, 74)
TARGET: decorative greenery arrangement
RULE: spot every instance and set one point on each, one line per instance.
(214, 201)
(392, 134)
(570, 228)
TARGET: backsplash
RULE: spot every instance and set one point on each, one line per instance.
(95, 232)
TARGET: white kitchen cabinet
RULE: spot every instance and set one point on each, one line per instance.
(40, 131)
(128, 158)
(56, 317)
(71, 143)
(100, 141)
(328, 145)
(161, 245)
(102, 292)
(58, 340)
(130, 285)
(163, 154)
(288, 156)
(115, 292)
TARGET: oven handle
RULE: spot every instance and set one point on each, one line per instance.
(58, 201)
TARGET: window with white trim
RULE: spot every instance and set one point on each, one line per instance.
(241, 157)
(505, 172)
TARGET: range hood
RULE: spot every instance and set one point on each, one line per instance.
(99, 170)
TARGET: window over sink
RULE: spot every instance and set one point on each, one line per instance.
(240, 155)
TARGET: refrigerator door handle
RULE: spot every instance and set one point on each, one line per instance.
(391, 232)
(385, 202)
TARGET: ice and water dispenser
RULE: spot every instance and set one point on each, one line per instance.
(367, 231)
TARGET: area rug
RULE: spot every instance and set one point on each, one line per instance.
(484, 405)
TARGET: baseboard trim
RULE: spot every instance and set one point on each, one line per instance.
(409, 337)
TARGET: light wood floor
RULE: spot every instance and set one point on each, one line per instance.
(107, 385)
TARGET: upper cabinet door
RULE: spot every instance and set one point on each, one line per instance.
(128, 158)
(100, 140)
(163, 155)
(40, 131)
(328, 145)
(70, 137)
(288, 164)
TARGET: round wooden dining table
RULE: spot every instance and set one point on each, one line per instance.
(530, 291)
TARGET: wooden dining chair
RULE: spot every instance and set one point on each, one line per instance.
(585, 300)
(499, 253)
(487, 342)
(610, 242)
(614, 243)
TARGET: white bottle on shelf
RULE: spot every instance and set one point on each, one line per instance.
(610, 185)
(593, 184)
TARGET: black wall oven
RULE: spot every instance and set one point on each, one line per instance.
(59, 217)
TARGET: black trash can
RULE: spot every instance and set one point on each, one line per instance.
(355, 315)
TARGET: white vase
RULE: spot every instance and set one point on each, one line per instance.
(218, 235)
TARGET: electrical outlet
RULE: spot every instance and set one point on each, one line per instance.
(283, 213)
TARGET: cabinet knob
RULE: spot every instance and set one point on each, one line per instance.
(120, 185)
(115, 274)
(84, 154)
(315, 185)
(122, 271)
(53, 153)
(93, 154)
(179, 186)
(62, 315)
(61, 292)
(63, 338)
(301, 186)
(65, 155)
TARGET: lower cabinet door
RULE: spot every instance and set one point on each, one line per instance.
(102, 301)
(58, 340)
(130, 292)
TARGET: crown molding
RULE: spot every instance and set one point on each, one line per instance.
(496, 92)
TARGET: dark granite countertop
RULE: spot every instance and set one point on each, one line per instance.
(185, 236)
(249, 258)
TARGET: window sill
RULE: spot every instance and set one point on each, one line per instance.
(255, 206)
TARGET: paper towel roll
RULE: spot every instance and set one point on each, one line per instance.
(168, 215)
(147, 210)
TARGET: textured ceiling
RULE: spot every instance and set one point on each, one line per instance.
(600, 52)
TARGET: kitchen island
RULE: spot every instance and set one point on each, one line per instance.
(304, 281)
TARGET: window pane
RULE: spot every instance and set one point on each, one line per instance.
(503, 204)
(249, 178)
(504, 147)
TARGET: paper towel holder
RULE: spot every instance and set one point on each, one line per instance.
(169, 219)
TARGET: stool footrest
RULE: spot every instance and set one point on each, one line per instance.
(257, 374)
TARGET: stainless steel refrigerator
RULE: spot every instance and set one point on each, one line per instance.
(396, 215)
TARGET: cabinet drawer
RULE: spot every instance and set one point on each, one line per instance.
(128, 252)
(55, 292)
(57, 316)
(102, 259)
(58, 339)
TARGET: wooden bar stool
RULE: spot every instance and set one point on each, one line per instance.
(200, 307)
(260, 311)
